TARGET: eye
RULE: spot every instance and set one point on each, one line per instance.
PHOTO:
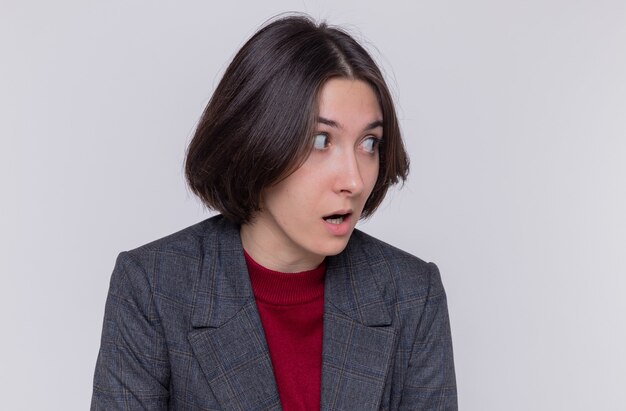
(370, 144)
(320, 141)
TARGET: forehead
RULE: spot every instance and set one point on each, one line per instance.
(349, 101)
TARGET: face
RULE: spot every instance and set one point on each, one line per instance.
(312, 213)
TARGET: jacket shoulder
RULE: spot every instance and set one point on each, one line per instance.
(410, 277)
(171, 266)
(187, 242)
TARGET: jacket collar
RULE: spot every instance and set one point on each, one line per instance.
(224, 286)
(229, 342)
(351, 285)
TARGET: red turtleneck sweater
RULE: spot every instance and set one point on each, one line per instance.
(291, 307)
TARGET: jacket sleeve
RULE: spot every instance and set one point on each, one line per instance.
(132, 370)
(430, 381)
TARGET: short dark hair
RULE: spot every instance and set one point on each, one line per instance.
(257, 127)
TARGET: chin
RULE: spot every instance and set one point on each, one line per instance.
(333, 248)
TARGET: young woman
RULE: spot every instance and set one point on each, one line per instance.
(279, 302)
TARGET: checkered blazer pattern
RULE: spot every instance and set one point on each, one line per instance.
(182, 332)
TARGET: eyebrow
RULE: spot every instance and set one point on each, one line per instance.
(334, 124)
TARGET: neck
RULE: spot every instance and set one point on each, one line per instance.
(264, 248)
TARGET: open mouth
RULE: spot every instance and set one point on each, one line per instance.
(336, 218)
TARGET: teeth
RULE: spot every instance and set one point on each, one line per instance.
(337, 220)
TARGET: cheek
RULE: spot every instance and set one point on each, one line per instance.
(310, 179)
(292, 201)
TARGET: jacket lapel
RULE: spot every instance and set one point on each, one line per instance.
(359, 338)
(227, 337)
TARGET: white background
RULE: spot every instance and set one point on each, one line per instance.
(514, 113)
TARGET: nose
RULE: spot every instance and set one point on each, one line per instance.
(349, 179)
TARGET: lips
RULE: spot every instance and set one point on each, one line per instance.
(339, 223)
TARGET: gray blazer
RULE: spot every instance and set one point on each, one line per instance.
(182, 332)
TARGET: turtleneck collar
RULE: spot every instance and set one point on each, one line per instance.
(277, 288)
